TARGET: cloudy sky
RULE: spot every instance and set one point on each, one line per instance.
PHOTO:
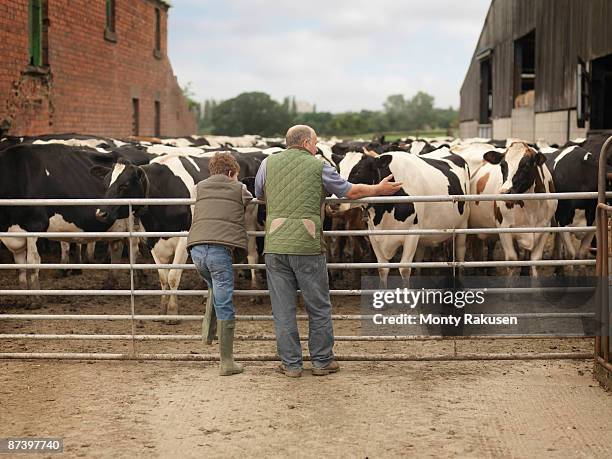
(338, 54)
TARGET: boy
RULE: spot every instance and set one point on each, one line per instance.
(218, 227)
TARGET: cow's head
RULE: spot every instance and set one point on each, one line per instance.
(359, 167)
(519, 165)
(123, 180)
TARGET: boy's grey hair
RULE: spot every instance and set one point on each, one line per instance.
(296, 135)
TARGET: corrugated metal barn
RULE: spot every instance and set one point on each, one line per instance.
(542, 69)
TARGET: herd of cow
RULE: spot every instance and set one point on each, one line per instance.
(82, 166)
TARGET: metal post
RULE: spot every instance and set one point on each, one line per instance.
(454, 280)
(602, 370)
(131, 254)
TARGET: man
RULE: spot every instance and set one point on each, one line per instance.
(216, 231)
(294, 185)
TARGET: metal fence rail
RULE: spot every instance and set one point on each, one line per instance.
(133, 233)
(263, 337)
(374, 200)
(274, 357)
(410, 232)
(204, 293)
(427, 264)
(268, 318)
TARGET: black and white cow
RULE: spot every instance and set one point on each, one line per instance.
(520, 169)
(75, 140)
(10, 141)
(575, 169)
(419, 176)
(50, 172)
(171, 176)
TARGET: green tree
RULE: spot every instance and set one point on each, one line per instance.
(206, 124)
(396, 111)
(257, 113)
(193, 105)
(420, 111)
(447, 118)
(250, 113)
(293, 110)
(320, 121)
(286, 103)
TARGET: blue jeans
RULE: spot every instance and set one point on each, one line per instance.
(214, 263)
(286, 274)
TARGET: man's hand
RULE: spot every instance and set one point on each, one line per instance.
(387, 187)
(384, 188)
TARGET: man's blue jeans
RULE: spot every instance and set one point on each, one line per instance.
(308, 273)
(214, 263)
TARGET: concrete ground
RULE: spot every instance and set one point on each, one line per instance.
(425, 409)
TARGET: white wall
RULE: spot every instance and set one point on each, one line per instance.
(468, 129)
(523, 124)
(551, 127)
(575, 131)
(531, 127)
(502, 128)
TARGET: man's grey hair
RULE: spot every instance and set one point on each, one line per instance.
(296, 135)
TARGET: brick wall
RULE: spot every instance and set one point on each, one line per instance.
(91, 81)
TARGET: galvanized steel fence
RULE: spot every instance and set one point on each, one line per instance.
(132, 235)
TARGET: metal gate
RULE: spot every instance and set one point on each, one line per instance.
(132, 293)
(603, 366)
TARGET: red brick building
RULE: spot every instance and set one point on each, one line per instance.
(88, 66)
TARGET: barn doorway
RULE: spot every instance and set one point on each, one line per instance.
(601, 94)
(524, 70)
(486, 98)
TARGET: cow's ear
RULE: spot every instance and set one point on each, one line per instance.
(382, 161)
(99, 171)
(540, 159)
(493, 157)
(337, 158)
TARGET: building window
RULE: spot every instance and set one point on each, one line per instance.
(110, 33)
(135, 117)
(524, 71)
(38, 33)
(157, 118)
(157, 50)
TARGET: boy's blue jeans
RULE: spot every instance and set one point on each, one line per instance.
(214, 263)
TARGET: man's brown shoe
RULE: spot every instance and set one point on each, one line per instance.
(290, 373)
(331, 367)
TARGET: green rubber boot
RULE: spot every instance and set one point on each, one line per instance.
(209, 324)
(226, 348)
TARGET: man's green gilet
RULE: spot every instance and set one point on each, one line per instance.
(294, 194)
